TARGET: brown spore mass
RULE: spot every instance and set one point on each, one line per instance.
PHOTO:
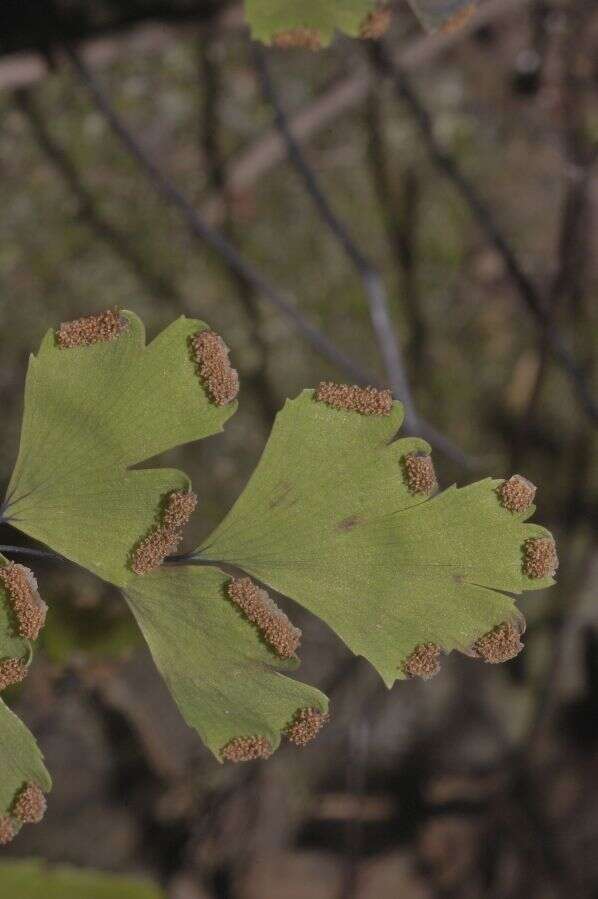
(220, 379)
(423, 661)
(305, 726)
(27, 606)
(298, 38)
(166, 537)
(101, 327)
(246, 749)
(30, 804)
(365, 400)
(500, 644)
(12, 671)
(539, 557)
(420, 474)
(7, 830)
(376, 23)
(459, 19)
(262, 611)
(517, 493)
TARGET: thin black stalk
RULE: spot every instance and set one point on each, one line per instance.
(30, 551)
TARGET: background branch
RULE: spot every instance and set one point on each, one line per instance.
(206, 235)
(447, 164)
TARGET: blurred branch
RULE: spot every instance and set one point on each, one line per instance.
(579, 154)
(202, 232)
(371, 280)
(345, 94)
(399, 217)
(373, 285)
(481, 212)
(153, 282)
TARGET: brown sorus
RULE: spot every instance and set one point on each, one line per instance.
(305, 726)
(539, 557)
(517, 493)
(101, 327)
(365, 400)
(423, 661)
(262, 611)
(246, 749)
(220, 379)
(419, 473)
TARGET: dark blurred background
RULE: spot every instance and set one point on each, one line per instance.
(461, 170)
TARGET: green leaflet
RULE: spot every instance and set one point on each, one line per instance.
(223, 677)
(20, 760)
(269, 18)
(327, 519)
(33, 879)
(312, 23)
(90, 413)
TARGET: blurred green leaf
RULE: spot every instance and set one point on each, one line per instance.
(269, 19)
(33, 879)
(312, 23)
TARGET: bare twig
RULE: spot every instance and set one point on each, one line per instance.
(399, 216)
(372, 282)
(154, 282)
(198, 228)
(450, 168)
(373, 285)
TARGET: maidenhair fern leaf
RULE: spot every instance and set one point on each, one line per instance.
(34, 879)
(346, 520)
(339, 515)
(97, 401)
(223, 674)
(311, 24)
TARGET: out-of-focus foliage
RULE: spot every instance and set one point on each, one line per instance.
(313, 23)
(32, 879)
